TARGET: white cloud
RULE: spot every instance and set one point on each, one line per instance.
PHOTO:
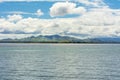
(16, 12)
(93, 3)
(15, 36)
(14, 17)
(39, 12)
(64, 8)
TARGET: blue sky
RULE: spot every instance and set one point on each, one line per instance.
(33, 6)
(78, 17)
(115, 4)
(30, 7)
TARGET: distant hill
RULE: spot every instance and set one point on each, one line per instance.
(60, 39)
(51, 38)
(45, 39)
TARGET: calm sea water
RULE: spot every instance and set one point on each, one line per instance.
(59, 61)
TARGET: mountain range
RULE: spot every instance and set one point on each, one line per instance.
(60, 39)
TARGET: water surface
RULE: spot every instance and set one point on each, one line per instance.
(59, 61)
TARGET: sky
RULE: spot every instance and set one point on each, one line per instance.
(76, 18)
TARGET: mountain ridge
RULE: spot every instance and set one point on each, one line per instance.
(60, 39)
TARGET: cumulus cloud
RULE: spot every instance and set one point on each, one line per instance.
(64, 8)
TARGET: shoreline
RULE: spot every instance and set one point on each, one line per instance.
(65, 42)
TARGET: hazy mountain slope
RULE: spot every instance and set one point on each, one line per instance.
(62, 39)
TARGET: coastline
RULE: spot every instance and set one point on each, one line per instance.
(66, 42)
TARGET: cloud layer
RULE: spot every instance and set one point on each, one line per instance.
(97, 21)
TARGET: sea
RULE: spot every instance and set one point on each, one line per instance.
(36, 61)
